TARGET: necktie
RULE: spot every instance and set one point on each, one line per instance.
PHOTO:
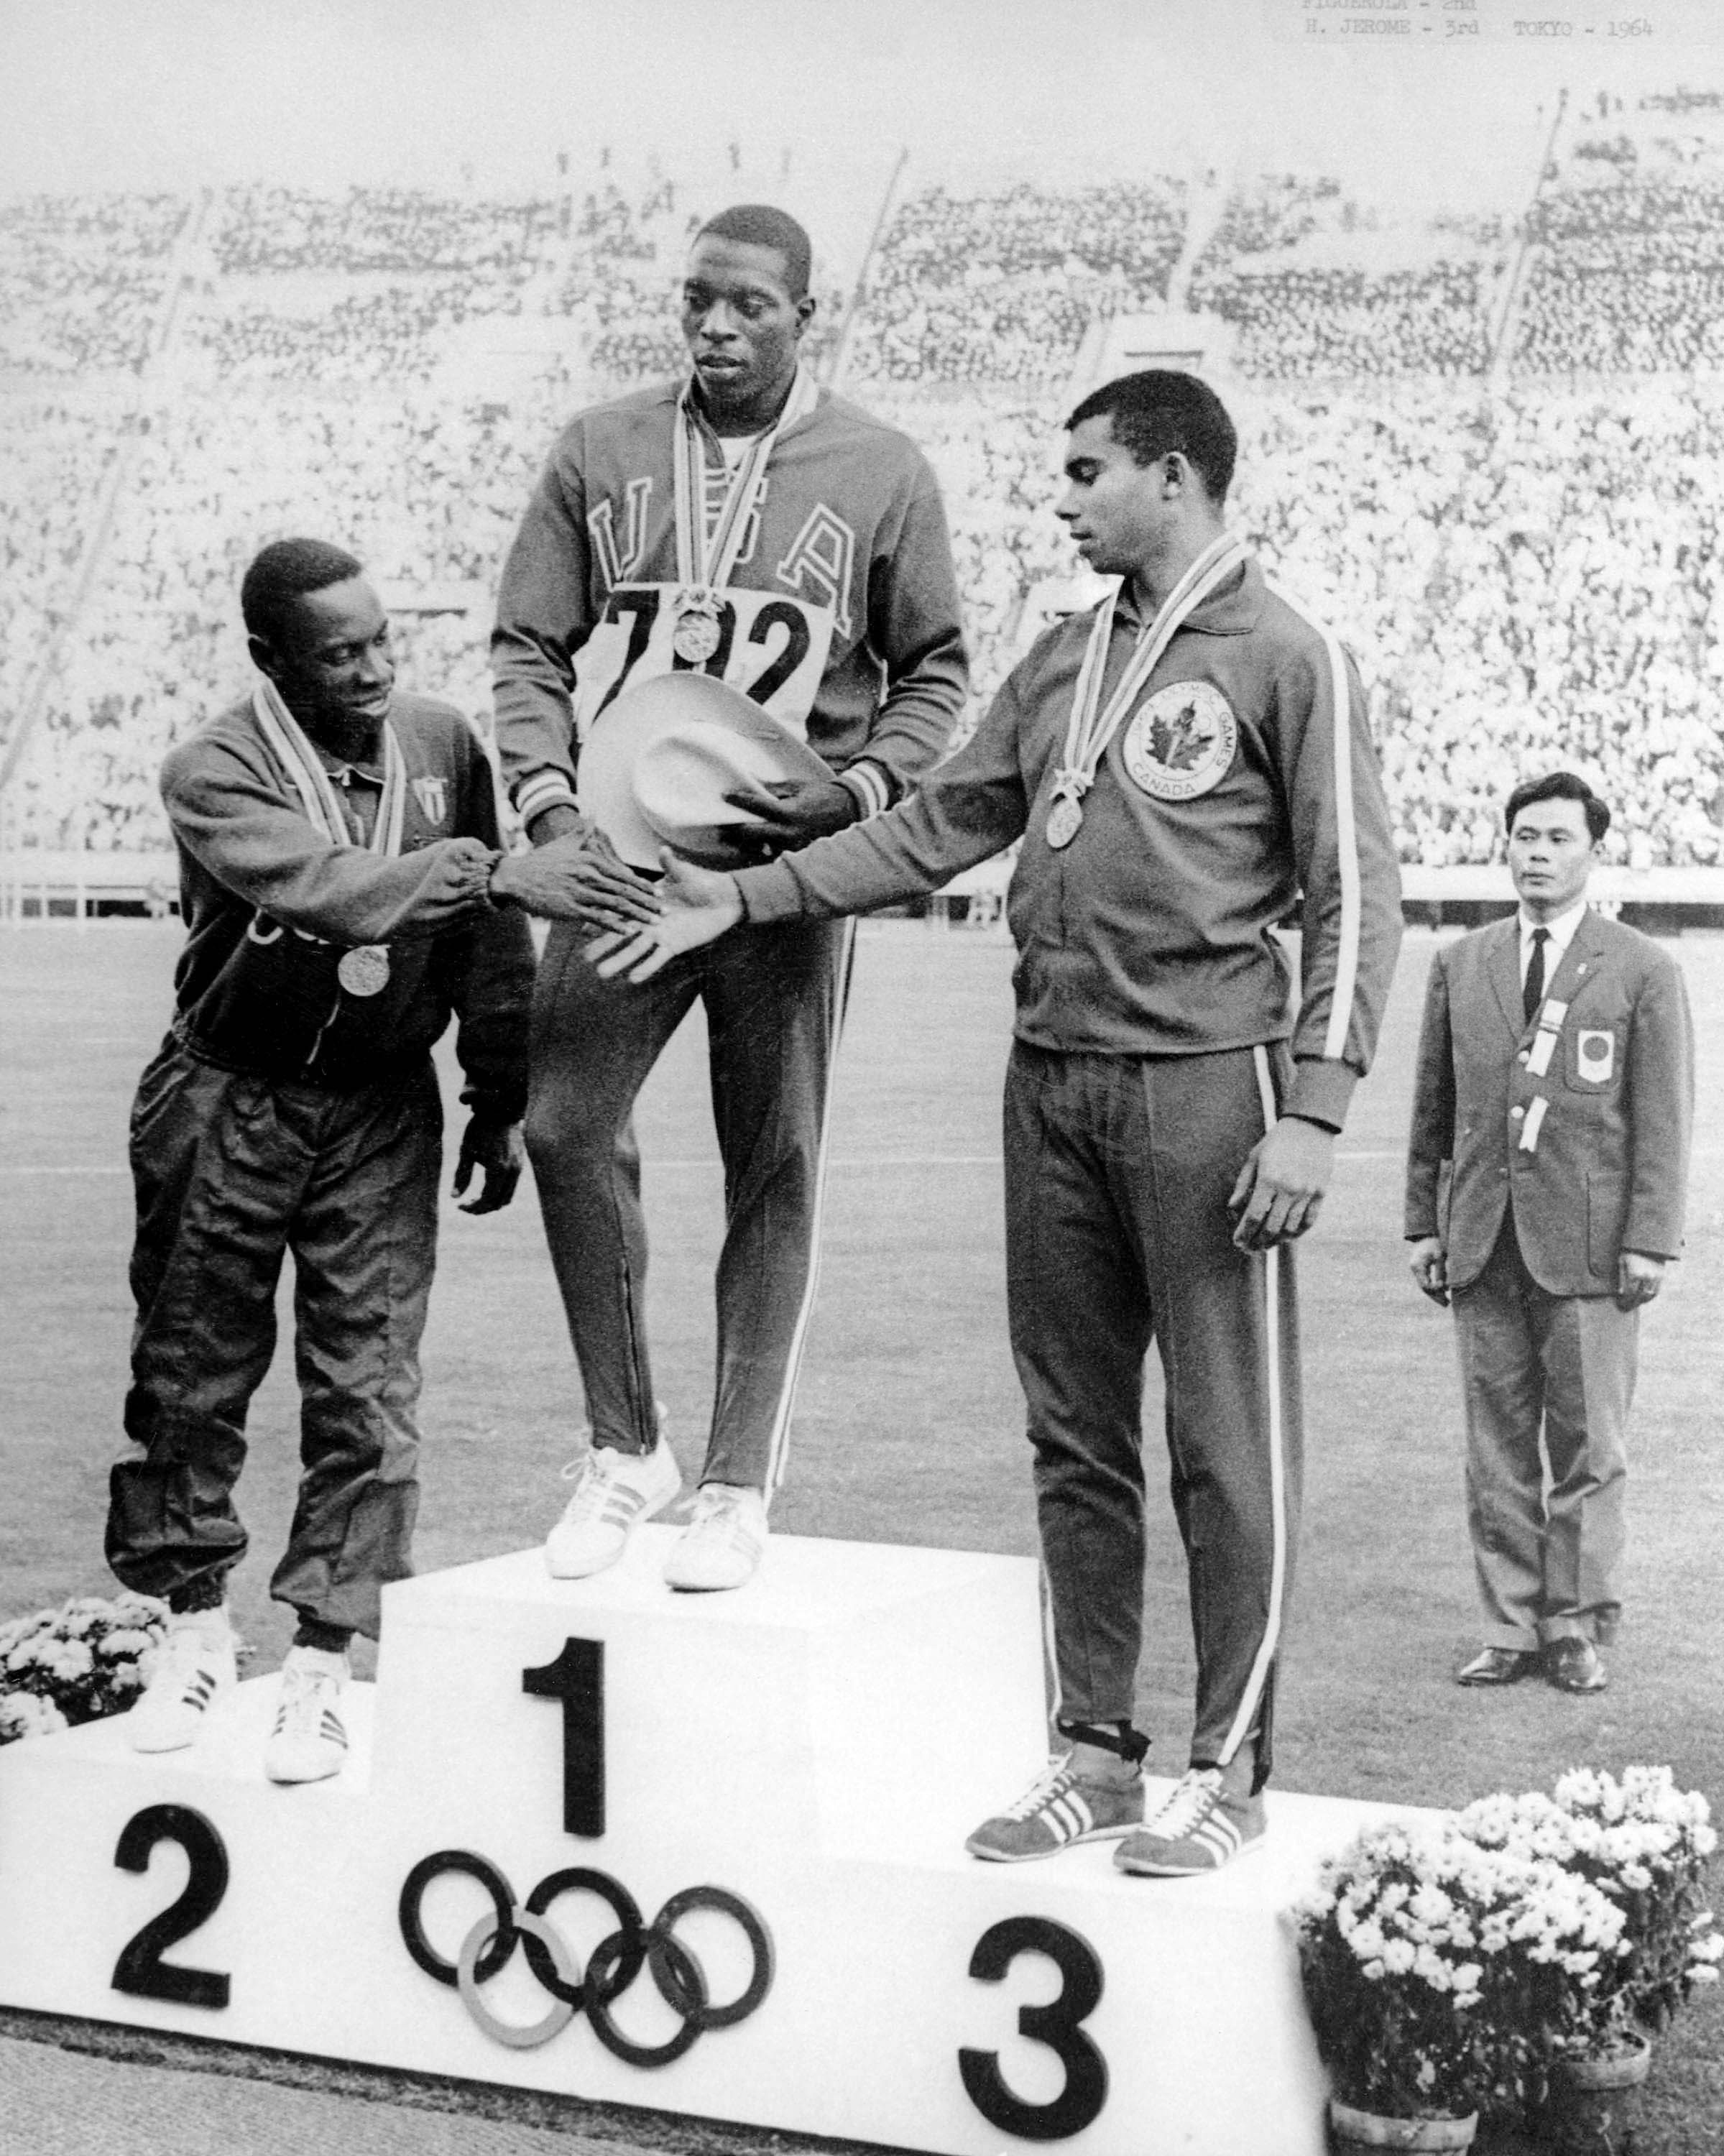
(1532, 994)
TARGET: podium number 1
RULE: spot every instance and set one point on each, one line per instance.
(576, 1678)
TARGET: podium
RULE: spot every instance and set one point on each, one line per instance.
(699, 1853)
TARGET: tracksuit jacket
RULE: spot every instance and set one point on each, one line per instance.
(849, 520)
(1150, 933)
(269, 908)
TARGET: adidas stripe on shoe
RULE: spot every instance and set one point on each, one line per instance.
(721, 1546)
(1197, 1829)
(308, 1743)
(1056, 1811)
(614, 1491)
(195, 1666)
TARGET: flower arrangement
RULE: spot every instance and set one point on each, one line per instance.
(1432, 1963)
(75, 1664)
(24, 1714)
(1643, 1844)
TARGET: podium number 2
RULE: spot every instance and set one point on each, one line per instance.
(576, 1678)
(140, 1970)
(1054, 2024)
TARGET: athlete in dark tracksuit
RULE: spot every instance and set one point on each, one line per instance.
(284, 1113)
(1151, 1054)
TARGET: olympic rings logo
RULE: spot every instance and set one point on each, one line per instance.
(611, 1967)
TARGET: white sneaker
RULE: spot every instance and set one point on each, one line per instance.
(614, 1491)
(722, 1545)
(195, 1664)
(308, 1743)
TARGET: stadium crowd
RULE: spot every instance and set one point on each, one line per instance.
(1001, 288)
(1296, 322)
(279, 229)
(82, 280)
(1527, 574)
(1295, 317)
(1629, 279)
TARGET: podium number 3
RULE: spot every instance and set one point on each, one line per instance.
(140, 1970)
(1055, 2025)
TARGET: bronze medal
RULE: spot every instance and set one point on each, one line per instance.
(365, 971)
(1064, 818)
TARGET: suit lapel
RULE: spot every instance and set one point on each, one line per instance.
(1503, 964)
(1579, 960)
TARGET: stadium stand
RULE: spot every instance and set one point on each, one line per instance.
(1529, 556)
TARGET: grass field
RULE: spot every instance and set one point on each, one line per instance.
(910, 1423)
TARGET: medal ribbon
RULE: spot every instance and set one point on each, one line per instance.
(1090, 728)
(289, 745)
(704, 559)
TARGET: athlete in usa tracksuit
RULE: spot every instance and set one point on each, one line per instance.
(1153, 1048)
(841, 617)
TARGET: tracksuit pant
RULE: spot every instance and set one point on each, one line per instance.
(231, 1171)
(1117, 1174)
(774, 1000)
(1544, 1378)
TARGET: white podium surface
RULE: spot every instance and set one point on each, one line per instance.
(816, 1746)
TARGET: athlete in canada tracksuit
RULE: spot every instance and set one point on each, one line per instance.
(829, 599)
(1150, 1083)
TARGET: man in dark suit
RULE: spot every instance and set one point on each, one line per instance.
(1545, 1179)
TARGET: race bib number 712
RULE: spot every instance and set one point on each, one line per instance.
(772, 647)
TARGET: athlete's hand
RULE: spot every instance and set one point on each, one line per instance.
(1638, 1279)
(1281, 1185)
(1429, 1257)
(576, 875)
(497, 1151)
(695, 906)
(792, 812)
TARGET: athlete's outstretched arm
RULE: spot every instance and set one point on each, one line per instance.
(695, 906)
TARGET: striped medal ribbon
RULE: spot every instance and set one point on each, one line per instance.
(706, 555)
(1090, 728)
(363, 971)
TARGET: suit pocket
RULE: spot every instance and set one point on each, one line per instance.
(1607, 1198)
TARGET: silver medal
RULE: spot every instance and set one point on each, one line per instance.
(1064, 819)
(695, 636)
(365, 971)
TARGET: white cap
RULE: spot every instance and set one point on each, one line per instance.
(655, 770)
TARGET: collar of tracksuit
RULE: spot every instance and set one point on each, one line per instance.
(1232, 611)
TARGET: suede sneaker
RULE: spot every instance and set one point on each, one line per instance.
(614, 1491)
(1199, 1828)
(195, 1666)
(722, 1545)
(1056, 1810)
(308, 1743)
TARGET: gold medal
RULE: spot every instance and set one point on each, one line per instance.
(696, 634)
(1064, 818)
(364, 970)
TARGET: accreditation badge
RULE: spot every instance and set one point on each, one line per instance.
(1182, 742)
(1595, 1057)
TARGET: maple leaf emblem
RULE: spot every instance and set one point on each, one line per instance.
(1180, 740)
